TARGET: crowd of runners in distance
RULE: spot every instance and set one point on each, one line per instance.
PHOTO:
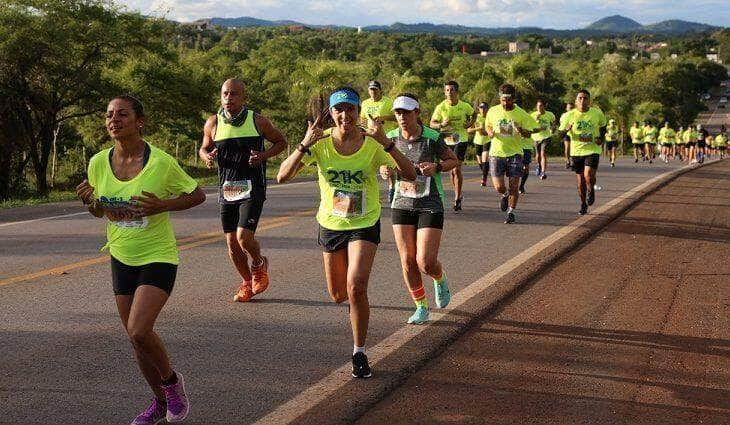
(352, 143)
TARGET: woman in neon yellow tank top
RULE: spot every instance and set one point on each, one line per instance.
(135, 185)
(348, 161)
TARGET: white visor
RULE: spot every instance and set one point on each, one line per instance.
(406, 103)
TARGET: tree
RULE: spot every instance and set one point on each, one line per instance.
(53, 59)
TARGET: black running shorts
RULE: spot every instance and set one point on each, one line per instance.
(580, 162)
(420, 219)
(335, 240)
(246, 215)
(126, 279)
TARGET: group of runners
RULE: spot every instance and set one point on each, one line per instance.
(135, 185)
(691, 145)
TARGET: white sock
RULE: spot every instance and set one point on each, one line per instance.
(357, 349)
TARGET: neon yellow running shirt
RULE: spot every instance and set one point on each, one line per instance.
(720, 140)
(348, 185)
(585, 128)
(506, 141)
(637, 135)
(480, 139)
(666, 135)
(147, 239)
(545, 121)
(650, 135)
(378, 109)
(457, 115)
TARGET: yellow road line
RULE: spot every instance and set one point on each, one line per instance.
(189, 242)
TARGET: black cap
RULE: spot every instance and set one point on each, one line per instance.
(374, 85)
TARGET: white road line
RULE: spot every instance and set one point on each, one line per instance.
(320, 391)
(13, 223)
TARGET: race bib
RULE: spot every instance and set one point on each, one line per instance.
(586, 137)
(506, 128)
(137, 223)
(420, 188)
(347, 203)
(236, 190)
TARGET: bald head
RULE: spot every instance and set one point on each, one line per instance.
(232, 95)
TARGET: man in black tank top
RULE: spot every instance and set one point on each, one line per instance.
(234, 139)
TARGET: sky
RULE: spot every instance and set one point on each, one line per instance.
(558, 14)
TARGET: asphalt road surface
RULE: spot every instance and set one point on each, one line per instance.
(66, 359)
(632, 328)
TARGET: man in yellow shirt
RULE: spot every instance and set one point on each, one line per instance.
(507, 124)
(566, 140)
(666, 138)
(637, 140)
(452, 117)
(379, 106)
(546, 119)
(586, 126)
(481, 141)
(612, 132)
(721, 142)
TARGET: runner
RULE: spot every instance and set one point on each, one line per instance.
(566, 140)
(234, 139)
(690, 137)
(680, 146)
(481, 141)
(612, 131)
(135, 185)
(637, 141)
(379, 107)
(546, 120)
(452, 117)
(506, 125)
(527, 147)
(586, 126)
(348, 161)
(701, 143)
(666, 137)
(721, 142)
(417, 209)
(650, 137)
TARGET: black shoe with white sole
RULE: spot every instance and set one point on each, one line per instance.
(360, 366)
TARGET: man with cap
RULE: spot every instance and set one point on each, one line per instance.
(379, 108)
(507, 124)
(481, 141)
(417, 210)
(452, 117)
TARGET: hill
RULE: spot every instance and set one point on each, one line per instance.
(615, 23)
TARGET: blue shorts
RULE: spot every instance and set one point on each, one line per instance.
(510, 166)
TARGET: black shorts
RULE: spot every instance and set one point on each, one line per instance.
(611, 145)
(701, 144)
(335, 240)
(526, 157)
(246, 215)
(126, 279)
(580, 162)
(543, 143)
(459, 149)
(667, 145)
(420, 219)
(638, 145)
(480, 149)
(691, 144)
(722, 148)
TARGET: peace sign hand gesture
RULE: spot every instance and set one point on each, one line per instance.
(375, 130)
(314, 132)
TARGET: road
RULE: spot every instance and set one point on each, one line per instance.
(67, 360)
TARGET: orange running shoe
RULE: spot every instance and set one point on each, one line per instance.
(244, 293)
(260, 276)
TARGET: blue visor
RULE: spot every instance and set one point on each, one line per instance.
(344, 96)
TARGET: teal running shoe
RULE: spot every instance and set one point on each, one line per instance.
(443, 296)
(420, 316)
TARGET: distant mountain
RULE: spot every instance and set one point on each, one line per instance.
(678, 27)
(615, 23)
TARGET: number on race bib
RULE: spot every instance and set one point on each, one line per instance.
(347, 203)
(420, 188)
(236, 190)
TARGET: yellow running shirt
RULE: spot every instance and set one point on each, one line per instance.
(457, 115)
(480, 139)
(666, 135)
(378, 109)
(650, 135)
(637, 135)
(720, 140)
(348, 185)
(147, 239)
(585, 128)
(506, 141)
(545, 121)
(612, 132)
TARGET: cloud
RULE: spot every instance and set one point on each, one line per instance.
(559, 14)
